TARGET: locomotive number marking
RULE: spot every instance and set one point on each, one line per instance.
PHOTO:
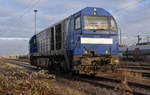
(96, 41)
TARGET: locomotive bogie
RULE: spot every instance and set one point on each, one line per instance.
(88, 64)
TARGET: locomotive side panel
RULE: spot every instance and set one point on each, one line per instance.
(51, 44)
(43, 42)
(51, 41)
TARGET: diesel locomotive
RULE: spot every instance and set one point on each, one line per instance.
(82, 43)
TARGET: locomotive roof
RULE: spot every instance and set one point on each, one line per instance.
(33, 37)
(86, 10)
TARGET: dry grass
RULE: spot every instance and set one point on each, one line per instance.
(16, 81)
(20, 83)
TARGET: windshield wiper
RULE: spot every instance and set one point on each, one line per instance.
(101, 29)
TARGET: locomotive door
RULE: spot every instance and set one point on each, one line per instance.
(70, 37)
(73, 33)
(77, 33)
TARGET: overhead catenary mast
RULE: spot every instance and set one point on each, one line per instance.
(139, 39)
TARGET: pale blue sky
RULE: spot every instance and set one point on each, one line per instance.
(17, 18)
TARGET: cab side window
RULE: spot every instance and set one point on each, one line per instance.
(113, 24)
(77, 23)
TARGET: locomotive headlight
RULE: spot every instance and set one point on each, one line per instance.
(85, 51)
(107, 51)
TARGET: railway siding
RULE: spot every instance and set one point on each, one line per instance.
(109, 82)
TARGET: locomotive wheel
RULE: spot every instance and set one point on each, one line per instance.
(50, 65)
(63, 67)
(114, 68)
(92, 74)
(31, 62)
(38, 68)
(75, 72)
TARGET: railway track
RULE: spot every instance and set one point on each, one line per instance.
(135, 65)
(112, 82)
(110, 86)
(138, 67)
(20, 63)
(143, 68)
(104, 82)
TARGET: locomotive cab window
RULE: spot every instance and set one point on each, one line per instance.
(113, 24)
(77, 23)
(95, 22)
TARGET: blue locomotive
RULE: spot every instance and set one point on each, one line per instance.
(82, 43)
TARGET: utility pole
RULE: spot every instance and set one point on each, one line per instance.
(147, 38)
(120, 36)
(35, 11)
